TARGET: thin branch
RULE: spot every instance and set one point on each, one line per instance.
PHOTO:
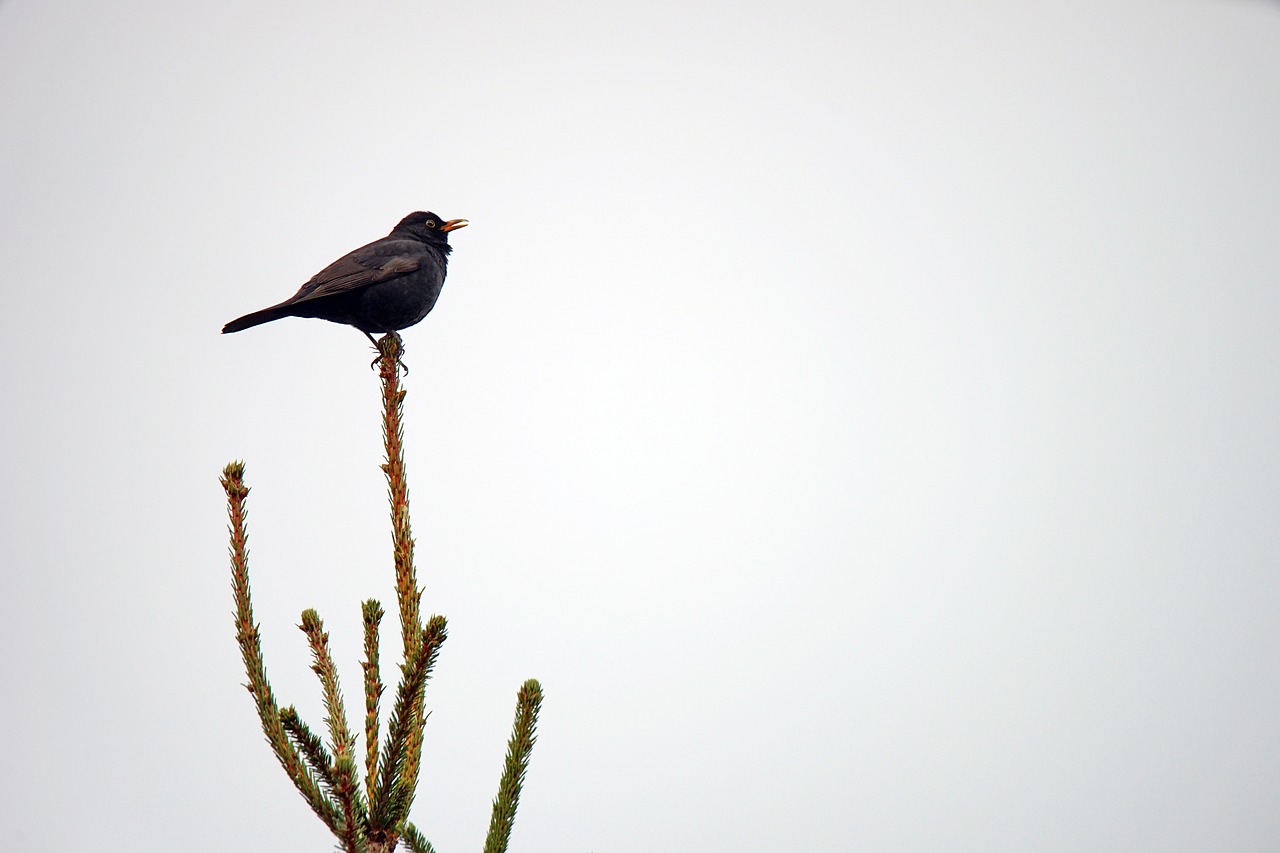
(373, 687)
(408, 594)
(346, 785)
(309, 744)
(395, 786)
(251, 651)
(519, 748)
(417, 843)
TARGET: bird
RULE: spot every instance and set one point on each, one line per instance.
(383, 287)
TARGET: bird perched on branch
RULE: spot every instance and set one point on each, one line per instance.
(383, 287)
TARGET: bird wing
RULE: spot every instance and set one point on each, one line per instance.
(381, 260)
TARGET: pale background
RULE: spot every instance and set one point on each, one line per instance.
(864, 418)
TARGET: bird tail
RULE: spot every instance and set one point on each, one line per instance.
(257, 318)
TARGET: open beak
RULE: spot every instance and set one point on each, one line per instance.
(453, 225)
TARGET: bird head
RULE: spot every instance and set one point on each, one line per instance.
(428, 227)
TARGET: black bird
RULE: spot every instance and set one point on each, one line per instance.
(383, 287)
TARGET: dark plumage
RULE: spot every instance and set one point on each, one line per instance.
(383, 287)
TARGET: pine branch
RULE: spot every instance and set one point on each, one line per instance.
(408, 594)
(251, 652)
(519, 748)
(413, 838)
(413, 748)
(329, 780)
(373, 687)
(395, 785)
(346, 785)
(309, 744)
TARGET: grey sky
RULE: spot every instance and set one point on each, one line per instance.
(864, 418)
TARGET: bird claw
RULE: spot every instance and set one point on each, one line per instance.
(389, 345)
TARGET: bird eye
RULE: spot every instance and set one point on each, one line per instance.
(430, 223)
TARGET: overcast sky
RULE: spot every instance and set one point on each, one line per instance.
(864, 418)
